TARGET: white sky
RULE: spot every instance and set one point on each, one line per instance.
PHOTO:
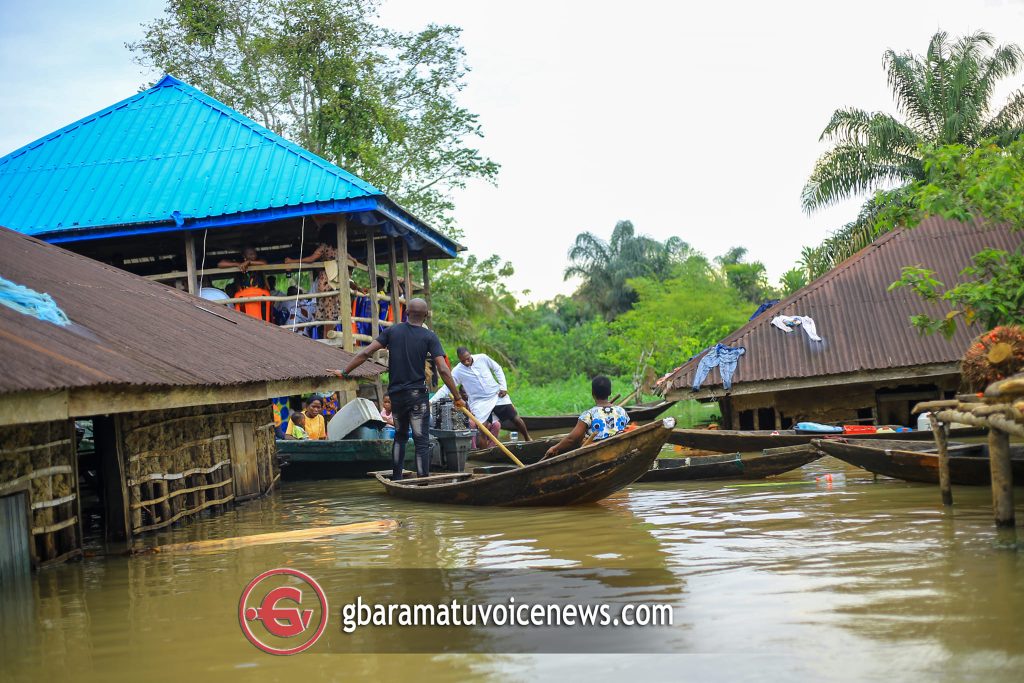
(692, 119)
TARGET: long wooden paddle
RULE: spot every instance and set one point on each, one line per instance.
(480, 426)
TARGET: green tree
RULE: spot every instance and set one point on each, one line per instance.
(676, 318)
(792, 280)
(380, 103)
(607, 266)
(750, 280)
(964, 184)
(469, 295)
(943, 97)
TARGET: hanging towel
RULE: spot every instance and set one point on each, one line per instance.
(724, 358)
(786, 323)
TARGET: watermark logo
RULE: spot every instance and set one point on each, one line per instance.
(274, 616)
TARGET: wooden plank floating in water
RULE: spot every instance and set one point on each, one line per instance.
(378, 526)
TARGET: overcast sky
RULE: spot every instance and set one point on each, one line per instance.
(693, 119)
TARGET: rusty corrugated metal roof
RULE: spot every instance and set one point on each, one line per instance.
(864, 326)
(134, 332)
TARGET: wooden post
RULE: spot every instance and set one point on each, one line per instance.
(426, 281)
(1002, 477)
(757, 419)
(393, 277)
(408, 273)
(344, 291)
(190, 263)
(778, 419)
(371, 266)
(941, 432)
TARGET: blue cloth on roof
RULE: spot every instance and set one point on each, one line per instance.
(763, 307)
(724, 358)
(30, 302)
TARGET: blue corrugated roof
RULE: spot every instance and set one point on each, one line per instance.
(172, 158)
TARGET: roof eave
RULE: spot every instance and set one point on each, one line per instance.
(716, 392)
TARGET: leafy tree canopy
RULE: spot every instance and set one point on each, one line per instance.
(606, 267)
(964, 184)
(943, 97)
(380, 103)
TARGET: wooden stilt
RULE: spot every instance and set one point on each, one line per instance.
(344, 291)
(190, 264)
(393, 282)
(1002, 477)
(408, 293)
(371, 265)
(941, 432)
(426, 281)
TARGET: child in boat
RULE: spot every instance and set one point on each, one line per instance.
(385, 411)
(297, 427)
(598, 423)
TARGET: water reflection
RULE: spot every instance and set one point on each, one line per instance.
(856, 582)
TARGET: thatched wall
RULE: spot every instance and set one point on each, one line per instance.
(42, 458)
(183, 461)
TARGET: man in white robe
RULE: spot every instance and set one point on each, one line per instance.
(484, 382)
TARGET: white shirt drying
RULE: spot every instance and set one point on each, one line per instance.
(482, 381)
(786, 323)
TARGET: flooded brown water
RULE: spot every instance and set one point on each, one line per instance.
(867, 581)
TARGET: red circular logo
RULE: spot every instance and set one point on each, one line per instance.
(281, 613)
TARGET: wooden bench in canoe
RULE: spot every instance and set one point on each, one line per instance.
(732, 441)
(584, 475)
(642, 412)
(771, 462)
(919, 462)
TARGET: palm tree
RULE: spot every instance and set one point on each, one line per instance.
(605, 267)
(944, 97)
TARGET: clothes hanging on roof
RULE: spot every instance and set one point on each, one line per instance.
(787, 323)
(30, 302)
(763, 307)
(724, 358)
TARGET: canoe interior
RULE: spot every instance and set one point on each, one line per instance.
(527, 451)
(583, 475)
(342, 459)
(729, 441)
(968, 463)
(771, 462)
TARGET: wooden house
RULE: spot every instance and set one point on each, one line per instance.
(176, 390)
(168, 182)
(871, 365)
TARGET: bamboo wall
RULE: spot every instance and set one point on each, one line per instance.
(41, 458)
(183, 461)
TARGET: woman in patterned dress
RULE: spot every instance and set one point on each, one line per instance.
(602, 421)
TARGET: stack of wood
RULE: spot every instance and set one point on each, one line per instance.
(1000, 409)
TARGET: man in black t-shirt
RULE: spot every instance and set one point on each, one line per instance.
(410, 345)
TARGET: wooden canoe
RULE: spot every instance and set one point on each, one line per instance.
(341, 459)
(919, 462)
(771, 462)
(642, 412)
(528, 452)
(584, 475)
(731, 441)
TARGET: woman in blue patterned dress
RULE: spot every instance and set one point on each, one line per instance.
(598, 423)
